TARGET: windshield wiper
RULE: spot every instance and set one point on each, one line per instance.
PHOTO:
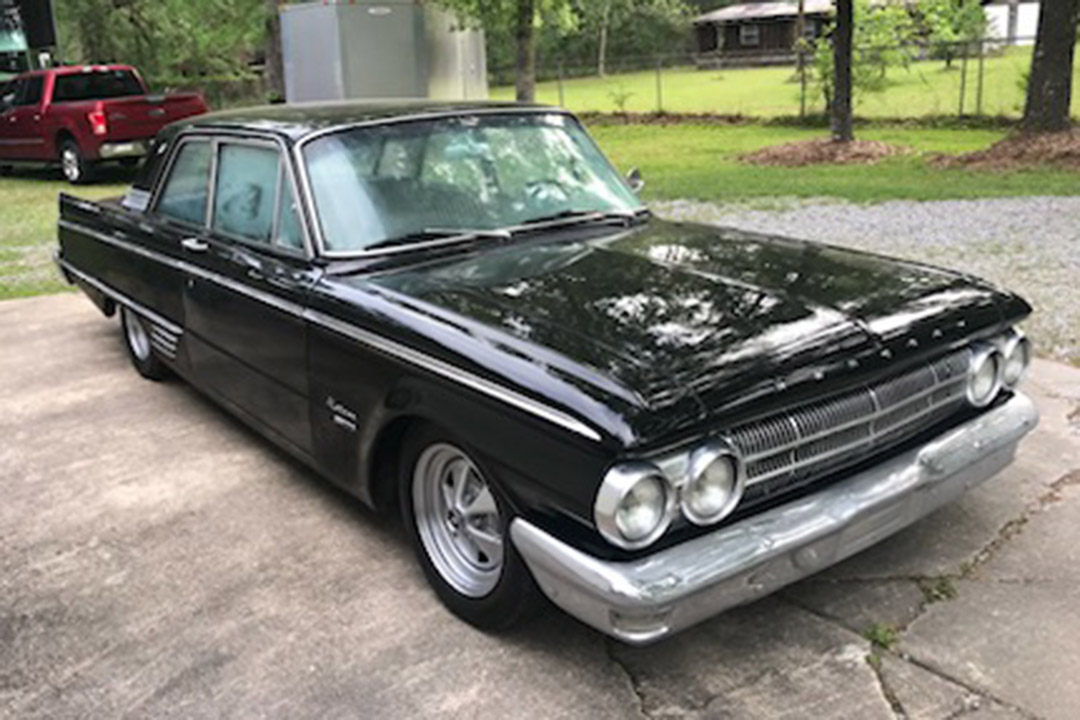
(576, 216)
(437, 237)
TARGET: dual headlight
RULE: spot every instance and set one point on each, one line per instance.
(1000, 363)
(637, 501)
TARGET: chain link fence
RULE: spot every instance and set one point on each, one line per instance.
(983, 77)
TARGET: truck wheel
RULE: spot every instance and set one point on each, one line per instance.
(458, 525)
(76, 168)
(141, 352)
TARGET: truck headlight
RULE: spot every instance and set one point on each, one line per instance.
(715, 483)
(633, 505)
(984, 375)
(1016, 354)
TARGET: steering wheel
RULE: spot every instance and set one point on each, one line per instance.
(546, 191)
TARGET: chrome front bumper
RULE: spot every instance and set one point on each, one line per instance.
(644, 600)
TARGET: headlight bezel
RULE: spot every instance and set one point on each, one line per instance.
(619, 480)
(981, 354)
(700, 459)
(1014, 342)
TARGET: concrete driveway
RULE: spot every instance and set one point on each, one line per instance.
(159, 560)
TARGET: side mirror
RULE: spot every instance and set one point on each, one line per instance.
(634, 180)
(7, 101)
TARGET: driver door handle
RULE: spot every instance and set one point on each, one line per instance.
(193, 244)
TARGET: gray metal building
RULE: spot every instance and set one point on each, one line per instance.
(390, 49)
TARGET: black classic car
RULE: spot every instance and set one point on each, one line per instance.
(463, 311)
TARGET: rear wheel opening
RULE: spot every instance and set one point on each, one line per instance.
(140, 350)
(458, 524)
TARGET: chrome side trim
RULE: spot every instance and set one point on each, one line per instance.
(121, 243)
(455, 374)
(643, 600)
(285, 306)
(389, 347)
(121, 298)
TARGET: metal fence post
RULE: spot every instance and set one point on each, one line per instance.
(982, 71)
(802, 84)
(659, 84)
(963, 80)
(558, 84)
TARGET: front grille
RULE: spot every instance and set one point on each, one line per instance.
(800, 445)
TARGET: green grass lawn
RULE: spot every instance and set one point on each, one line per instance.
(682, 161)
(28, 213)
(924, 88)
(701, 162)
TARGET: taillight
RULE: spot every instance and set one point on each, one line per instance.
(98, 124)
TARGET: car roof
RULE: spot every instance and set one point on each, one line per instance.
(295, 121)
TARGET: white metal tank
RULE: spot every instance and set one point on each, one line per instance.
(392, 49)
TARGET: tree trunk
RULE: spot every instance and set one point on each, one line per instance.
(1012, 22)
(601, 60)
(526, 51)
(275, 72)
(799, 40)
(1049, 90)
(842, 130)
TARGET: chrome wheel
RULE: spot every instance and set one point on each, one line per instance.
(69, 163)
(137, 339)
(458, 520)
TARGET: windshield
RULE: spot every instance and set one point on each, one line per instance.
(372, 185)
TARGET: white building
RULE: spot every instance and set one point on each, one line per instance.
(1014, 22)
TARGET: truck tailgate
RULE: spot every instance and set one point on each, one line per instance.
(142, 116)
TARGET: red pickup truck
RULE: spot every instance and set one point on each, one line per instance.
(80, 116)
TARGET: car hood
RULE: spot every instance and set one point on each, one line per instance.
(674, 324)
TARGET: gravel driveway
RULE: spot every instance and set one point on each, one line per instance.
(1029, 245)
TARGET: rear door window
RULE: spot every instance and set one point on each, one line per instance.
(30, 91)
(184, 195)
(246, 191)
(96, 85)
(10, 92)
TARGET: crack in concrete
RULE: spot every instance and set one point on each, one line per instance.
(887, 692)
(981, 693)
(631, 680)
(1015, 526)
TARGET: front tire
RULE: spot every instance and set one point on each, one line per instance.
(76, 168)
(459, 527)
(140, 350)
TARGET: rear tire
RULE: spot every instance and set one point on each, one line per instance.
(76, 168)
(140, 350)
(458, 523)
